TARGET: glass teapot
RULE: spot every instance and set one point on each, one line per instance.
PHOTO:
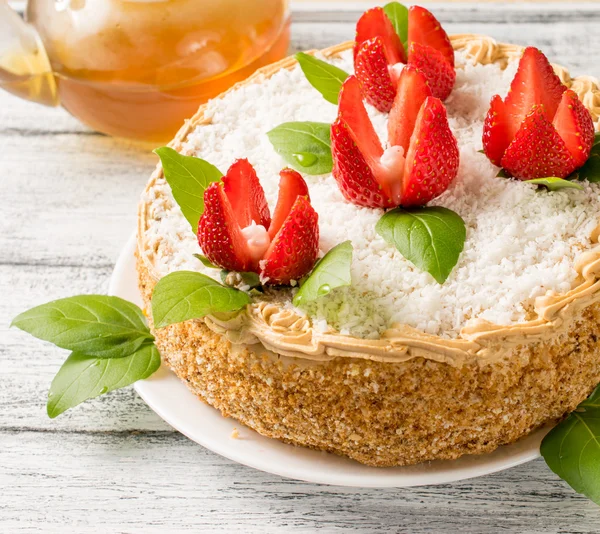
(136, 68)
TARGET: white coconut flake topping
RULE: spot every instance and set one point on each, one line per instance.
(521, 242)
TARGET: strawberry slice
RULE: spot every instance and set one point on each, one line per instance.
(353, 113)
(219, 234)
(246, 195)
(537, 151)
(534, 83)
(294, 249)
(412, 92)
(425, 29)
(357, 152)
(371, 68)
(351, 172)
(432, 159)
(375, 23)
(496, 131)
(283, 250)
(371, 177)
(574, 124)
(439, 74)
(291, 186)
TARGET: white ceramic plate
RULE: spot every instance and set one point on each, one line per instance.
(172, 401)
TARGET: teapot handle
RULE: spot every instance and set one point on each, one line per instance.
(24, 66)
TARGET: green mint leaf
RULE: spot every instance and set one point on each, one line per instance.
(596, 139)
(84, 377)
(185, 295)
(572, 448)
(333, 270)
(503, 174)
(398, 14)
(323, 76)
(188, 177)
(430, 238)
(481, 151)
(205, 261)
(96, 325)
(306, 146)
(591, 168)
(554, 184)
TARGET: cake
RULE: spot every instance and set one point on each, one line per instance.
(397, 368)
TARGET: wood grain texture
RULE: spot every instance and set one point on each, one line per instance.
(68, 206)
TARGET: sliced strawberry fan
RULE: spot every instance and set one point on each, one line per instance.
(541, 128)
(379, 55)
(236, 231)
(420, 162)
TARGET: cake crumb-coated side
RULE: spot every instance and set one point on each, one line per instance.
(385, 414)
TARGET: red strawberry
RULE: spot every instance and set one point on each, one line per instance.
(424, 29)
(291, 186)
(356, 150)
(246, 195)
(375, 23)
(537, 150)
(370, 177)
(353, 113)
(575, 126)
(540, 129)
(433, 65)
(432, 159)
(294, 249)
(371, 68)
(287, 247)
(496, 131)
(534, 83)
(412, 92)
(219, 233)
(351, 172)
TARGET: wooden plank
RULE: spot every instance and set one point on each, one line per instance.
(456, 11)
(162, 482)
(69, 198)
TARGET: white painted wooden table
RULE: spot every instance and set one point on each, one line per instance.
(67, 207)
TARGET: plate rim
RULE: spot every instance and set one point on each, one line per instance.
(126, 261)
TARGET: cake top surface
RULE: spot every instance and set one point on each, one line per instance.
(521, 242)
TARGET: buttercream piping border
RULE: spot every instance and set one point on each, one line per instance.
(287, 333)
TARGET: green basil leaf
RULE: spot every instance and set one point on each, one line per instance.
(84, 377)
(306, 146)
(431, 238)
(554, 184)
(333, 270)
(205, 261)
(188, 177)
(398, 14)
(323, 76)
(185, 295)
(96, 325)
(572, 448)
(591, 168)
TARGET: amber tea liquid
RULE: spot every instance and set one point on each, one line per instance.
(138, 68)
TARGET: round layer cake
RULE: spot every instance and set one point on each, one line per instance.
(395, 369)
